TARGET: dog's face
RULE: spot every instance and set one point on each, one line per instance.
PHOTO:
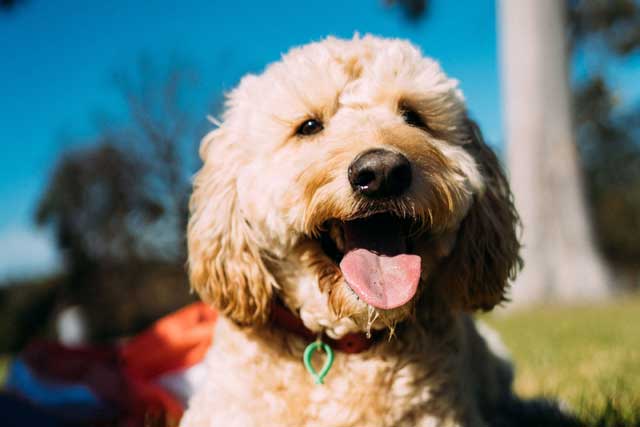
(348, 181)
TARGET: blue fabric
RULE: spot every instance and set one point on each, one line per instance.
(18, 412)
(46, 393)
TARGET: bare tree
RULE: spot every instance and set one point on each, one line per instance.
(99, 203)
(608, 130)
(164, 129)
(9, 4)
(413, 9)
(119, 204)
(561, 261)
(125, 194)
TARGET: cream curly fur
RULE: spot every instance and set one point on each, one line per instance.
(263, 195)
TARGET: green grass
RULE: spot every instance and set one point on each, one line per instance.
(4, 362)
(587, 357)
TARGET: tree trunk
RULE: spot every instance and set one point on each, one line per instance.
(561, 261)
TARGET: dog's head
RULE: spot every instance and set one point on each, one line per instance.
(348, 181)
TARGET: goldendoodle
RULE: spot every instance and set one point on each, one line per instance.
(348, 201)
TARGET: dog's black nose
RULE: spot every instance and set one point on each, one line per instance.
(380, 173)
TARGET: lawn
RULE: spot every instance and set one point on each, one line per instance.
(587, 357)
(4, 361)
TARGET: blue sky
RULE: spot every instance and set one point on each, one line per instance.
(58, 56)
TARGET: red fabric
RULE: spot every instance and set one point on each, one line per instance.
(150, 405)
(125, 376)
(98, 367)
(174, 342)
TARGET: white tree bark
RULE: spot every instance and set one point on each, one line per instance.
(561, 262)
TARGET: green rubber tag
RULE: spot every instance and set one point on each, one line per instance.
(308, 353)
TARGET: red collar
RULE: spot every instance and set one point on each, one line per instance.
(350, 343)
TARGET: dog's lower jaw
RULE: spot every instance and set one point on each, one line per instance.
(341, 312)
(302, 295)
(334, 327)
(256, 378)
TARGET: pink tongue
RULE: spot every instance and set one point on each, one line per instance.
(376, 264)
(381, 281)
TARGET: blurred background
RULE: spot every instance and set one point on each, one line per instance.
(102, 105)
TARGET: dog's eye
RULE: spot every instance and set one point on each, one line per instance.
(413, 119)
(309, 127)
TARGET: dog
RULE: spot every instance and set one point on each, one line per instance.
(348, 199)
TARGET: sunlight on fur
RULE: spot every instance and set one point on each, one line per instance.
(348, 184)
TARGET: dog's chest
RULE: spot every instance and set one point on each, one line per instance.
(252, 384)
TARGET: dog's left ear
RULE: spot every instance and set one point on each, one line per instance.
(485, 256)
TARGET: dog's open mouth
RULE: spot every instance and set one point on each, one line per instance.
(374, 255)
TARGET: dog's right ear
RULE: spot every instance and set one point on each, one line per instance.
(486, 255)
(225, 265)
